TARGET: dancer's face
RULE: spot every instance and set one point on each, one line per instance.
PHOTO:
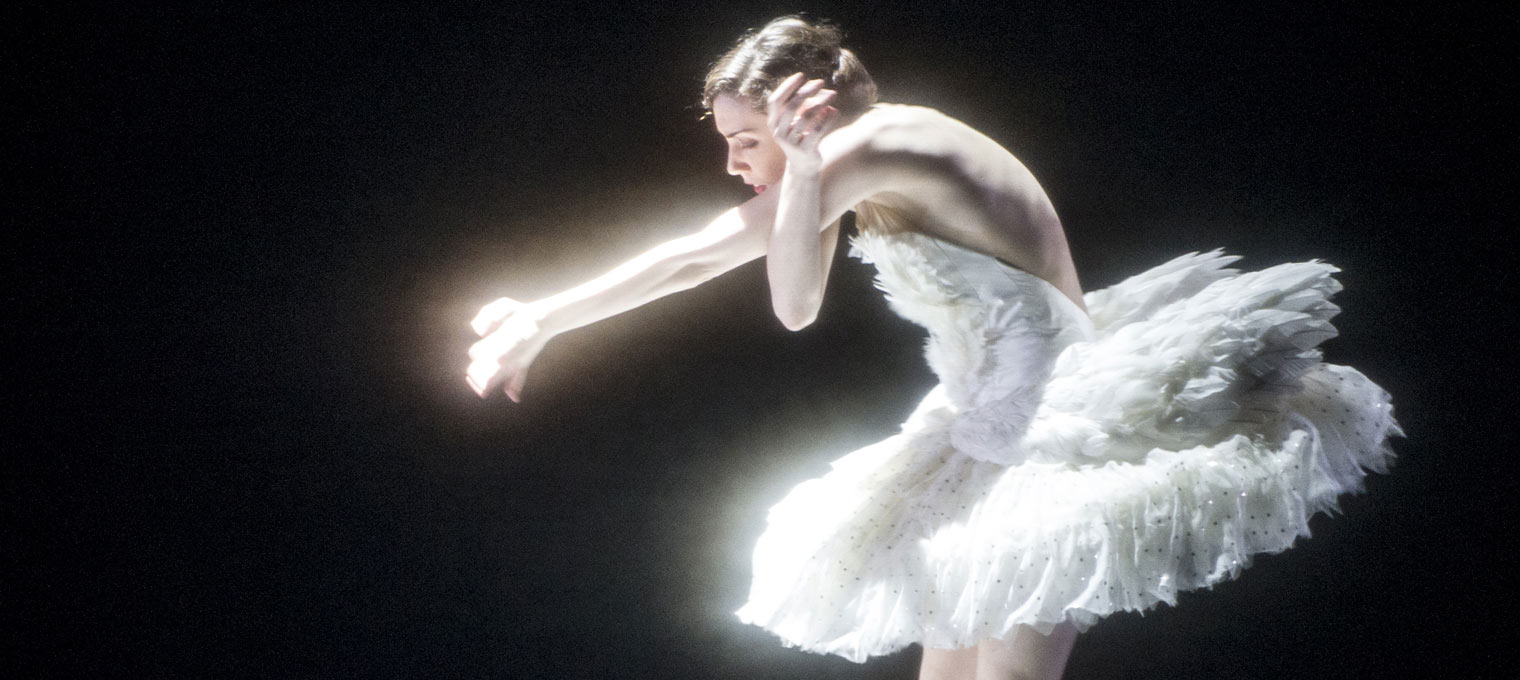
(752, 153)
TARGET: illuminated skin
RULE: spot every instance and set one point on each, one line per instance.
(949, 180)
(808, 167)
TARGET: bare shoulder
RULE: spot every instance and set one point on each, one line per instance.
(928, 146)
(897, 128)
(945, 179)
(893, 148)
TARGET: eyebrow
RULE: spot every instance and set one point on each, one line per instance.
(735, 132)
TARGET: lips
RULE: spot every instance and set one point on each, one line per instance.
(759, 188)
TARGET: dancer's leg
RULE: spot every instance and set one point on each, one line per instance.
(948, 664)
(1027, 656)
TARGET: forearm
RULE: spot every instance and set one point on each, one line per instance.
(667, 268)
(794, 253)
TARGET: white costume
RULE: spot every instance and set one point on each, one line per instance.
(1069, 467)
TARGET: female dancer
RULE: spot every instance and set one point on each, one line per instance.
(1082, 454)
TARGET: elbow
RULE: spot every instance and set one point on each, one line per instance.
(693, 274)
(796, 314)
(798, 323)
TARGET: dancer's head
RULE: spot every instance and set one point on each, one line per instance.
(763, 58)
(740, 81)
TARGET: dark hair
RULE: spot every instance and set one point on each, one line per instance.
(787, 45)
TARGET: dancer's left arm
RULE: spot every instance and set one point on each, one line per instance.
(798, 257)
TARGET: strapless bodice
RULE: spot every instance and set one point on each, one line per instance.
(995, 332)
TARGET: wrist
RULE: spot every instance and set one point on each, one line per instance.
(549, 318)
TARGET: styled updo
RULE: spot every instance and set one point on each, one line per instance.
(763, 58)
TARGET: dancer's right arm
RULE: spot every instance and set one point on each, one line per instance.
(676, 265)
(514, 332)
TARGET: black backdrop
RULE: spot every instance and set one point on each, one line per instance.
(250, 239)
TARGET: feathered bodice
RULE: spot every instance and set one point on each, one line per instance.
(1189, 352)
(995, 332)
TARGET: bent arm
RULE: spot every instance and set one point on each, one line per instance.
(794, 260)
(811, 199)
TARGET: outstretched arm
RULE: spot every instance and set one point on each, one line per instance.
(676, 265)
(514, 332)
(785, 225)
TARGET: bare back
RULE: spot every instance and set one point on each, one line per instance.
(946, 180)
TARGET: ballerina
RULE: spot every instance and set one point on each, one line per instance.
(1082, 454)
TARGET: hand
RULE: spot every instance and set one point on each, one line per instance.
(512, 336)
(799, 115)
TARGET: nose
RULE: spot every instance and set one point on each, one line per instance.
(735, 165)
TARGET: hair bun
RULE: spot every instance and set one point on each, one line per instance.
(790, 44)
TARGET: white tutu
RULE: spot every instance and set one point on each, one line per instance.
(1067, 468)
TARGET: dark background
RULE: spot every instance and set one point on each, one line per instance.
(248, 241)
